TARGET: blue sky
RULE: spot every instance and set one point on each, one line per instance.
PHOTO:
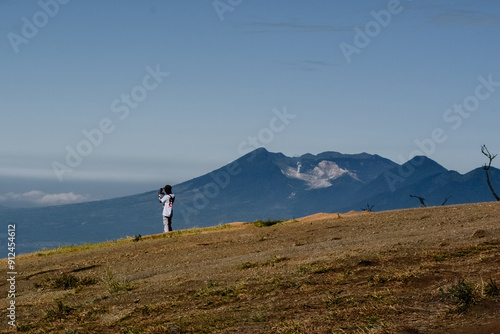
(152, 92)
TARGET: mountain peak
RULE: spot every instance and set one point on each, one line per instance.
(261, 150)
(421, 161)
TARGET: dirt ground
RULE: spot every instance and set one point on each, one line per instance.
(427, 270)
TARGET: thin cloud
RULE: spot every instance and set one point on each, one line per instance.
(307, 65)
(296, 26)
(40, 198)
(465, 17)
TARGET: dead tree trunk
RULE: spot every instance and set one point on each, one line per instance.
(446, 200)
(421, 199)
(486, 168)
(368, 208)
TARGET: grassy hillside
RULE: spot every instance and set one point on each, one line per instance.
(429, 270)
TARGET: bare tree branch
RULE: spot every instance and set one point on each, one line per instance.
(368, 207)
(486, 168)
(446, 200)
(421, 199)
(487, 153)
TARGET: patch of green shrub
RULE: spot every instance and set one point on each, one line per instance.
(462, 294)
(59, 312)
(266, 223)
(275, 259)
(115, 285)
(69, 281)
(492, 289)
(248, 265)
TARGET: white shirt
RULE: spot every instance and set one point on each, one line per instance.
(168, 201)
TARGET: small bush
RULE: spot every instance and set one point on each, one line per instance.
(462, 294)
(65, 281)
(492, 289)
(131, 330)
(116, 285)
(260, 315)
(215, 294)
(371, 321)
(248, 265)
(314, 268)
(69, 281)
(261, 223)
(275, 259)
(146, 310)
(24, 327)
(87, 281)
(400, 277)
(333, 299)
(59, 312)
(440, 257)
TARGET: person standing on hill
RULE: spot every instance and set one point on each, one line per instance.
(167, 198)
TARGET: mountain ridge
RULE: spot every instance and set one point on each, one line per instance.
(257, 186)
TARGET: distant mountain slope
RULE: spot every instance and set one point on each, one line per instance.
(259, 185)
(447, 187)
(392, 180)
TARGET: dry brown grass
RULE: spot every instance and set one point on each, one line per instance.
(428, 270)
